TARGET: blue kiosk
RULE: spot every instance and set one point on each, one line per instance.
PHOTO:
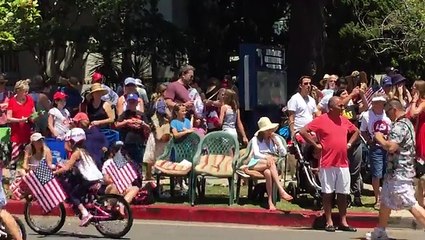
(262, 84)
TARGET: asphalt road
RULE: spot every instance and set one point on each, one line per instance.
(166, 230)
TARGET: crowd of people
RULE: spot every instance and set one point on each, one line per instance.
(388, 117)
(386, 120)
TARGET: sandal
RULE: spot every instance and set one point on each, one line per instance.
(330, 228)
(347, 229)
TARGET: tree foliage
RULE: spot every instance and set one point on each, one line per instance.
(389, 32)
(17, 18)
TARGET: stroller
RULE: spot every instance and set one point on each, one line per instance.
(307, 181)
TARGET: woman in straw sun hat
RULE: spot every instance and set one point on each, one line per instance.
(100, 113)
(266, 146)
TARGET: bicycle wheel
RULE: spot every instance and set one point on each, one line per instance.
(117, 225)
(41, 222)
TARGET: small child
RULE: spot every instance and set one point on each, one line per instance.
(230, 118)
(180, 125)
(59, 117)
(132, 125)
(199, 125)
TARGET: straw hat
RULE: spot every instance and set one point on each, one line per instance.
(265, 124)
(97, 87)
(325, 79)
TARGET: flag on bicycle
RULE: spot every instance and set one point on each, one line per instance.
(45, 187)
(121, 172)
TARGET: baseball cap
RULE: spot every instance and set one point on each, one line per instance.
(80, 117)
(398, 78)
(132, 96)
(76, 135)
(59, 96)
(139, 82)
(129, 81)
(386, 81)
(36, 136)
(379, 99)
(96, 77)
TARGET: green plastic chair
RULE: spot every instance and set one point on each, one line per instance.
(244, 159)
(176, 151)
(5, 144)
(216, 157)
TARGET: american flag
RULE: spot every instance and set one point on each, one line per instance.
(121, 172)
(45, 187)
(372, 90)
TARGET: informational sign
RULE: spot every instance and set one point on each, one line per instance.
(270, 58)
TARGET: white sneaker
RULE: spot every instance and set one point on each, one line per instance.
(377, 234)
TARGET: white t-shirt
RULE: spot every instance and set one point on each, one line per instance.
(303, 109)
(60, 121)
(373, 123)
(106, 165)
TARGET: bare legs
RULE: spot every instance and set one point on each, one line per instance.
(10, 224)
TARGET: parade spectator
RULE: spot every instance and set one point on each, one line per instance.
(387, 85)
(5, 95)
(334, 167)
(213, 104)
(59, 116)
(352, 111)
(417, 112)
(230, 118)
(141, 91)
(400, 91)
(111, 96)
(301, 107)
(160, 134)
(19, 110)
(398, 191)
(373, 121)
(35, 152)
(178, 92)
(129, 87)
(96, 142)
(266, 147)
(100, 112)
(132, 126)
(71, 89)
(199, 125)
(180, 125)
(40, 91)
(86, 169)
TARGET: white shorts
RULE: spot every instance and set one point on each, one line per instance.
(335, 179)
(397, 194)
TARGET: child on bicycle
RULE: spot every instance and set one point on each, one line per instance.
(87, 173)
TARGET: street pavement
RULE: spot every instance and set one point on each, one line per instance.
(167, 230)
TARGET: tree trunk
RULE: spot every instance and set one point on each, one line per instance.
(306, 41)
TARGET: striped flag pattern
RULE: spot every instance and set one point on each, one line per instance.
(121, 172)
(372, 90)
(45, 187)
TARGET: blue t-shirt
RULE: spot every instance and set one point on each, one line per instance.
(180, 125)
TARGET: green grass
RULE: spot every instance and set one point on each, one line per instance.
(217, 196)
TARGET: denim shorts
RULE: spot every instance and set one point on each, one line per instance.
(378, 162)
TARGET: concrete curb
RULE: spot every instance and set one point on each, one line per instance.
(305, 219)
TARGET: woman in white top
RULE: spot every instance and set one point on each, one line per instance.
(266, 146)
(35, 152)
(58, 120)
(82, 162)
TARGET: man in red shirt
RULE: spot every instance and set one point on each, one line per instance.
(331, 130)
(178, 91)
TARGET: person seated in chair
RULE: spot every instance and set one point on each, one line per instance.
(266, 147)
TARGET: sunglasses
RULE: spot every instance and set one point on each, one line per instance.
(306, 83)
(2, 83)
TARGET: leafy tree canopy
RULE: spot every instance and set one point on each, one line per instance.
(17, 18)
(390, 32)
